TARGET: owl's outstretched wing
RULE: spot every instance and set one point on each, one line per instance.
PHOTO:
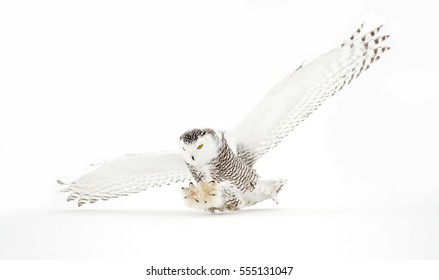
(126, 175)
(300, 93)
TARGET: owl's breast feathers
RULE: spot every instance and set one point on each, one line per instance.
(227, 166)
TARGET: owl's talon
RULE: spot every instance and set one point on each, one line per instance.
(207, 192)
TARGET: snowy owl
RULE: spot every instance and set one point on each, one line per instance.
(216, 166)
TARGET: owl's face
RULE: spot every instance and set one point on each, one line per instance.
(200, 146)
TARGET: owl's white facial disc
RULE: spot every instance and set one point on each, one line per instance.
(200, 146)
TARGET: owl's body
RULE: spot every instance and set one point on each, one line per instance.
(221, 163)
(224, 181)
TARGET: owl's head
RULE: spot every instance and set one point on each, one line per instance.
(200, 146)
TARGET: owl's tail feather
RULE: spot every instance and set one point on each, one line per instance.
(265, 189)
(276, 187)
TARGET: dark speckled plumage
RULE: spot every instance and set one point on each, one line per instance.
(225, 167)
(193, 134)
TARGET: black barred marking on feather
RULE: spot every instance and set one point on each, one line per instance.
(354, 35)
(363, 54)
(72, 197)
(229, 167)
(92, 196)
(81, 202)
(246, 156)
(232, 201)
(354, 57)
(193, 134)
(196, 174)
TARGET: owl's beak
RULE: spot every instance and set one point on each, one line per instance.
(193, 158)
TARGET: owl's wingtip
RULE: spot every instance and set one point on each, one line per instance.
(81, 202)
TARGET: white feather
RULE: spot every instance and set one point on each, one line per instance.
(128, 174)
(286, 105)
(299, 94)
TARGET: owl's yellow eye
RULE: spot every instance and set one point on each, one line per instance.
(200, 146)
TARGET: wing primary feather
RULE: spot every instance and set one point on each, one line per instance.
(127, 175)
(302, 92)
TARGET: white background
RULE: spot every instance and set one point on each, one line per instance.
(85, 81)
